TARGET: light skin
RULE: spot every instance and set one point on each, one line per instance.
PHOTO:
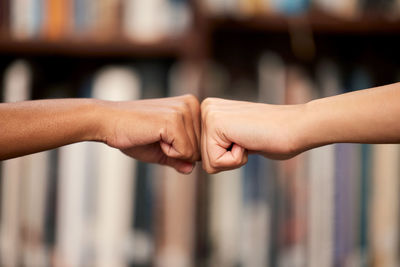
(164, 131)
(283, 131)
(178, 132)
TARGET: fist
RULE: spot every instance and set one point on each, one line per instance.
(164, 131)
(232, 129)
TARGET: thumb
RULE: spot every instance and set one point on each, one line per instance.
(231, 158)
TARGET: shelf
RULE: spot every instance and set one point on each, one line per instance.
(318, 21)
(93, 48)
(193, 42)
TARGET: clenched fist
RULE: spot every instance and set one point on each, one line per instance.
(164, 131)
(167, 131)
(232, 129)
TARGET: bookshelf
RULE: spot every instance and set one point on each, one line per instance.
(318, 21)
(166, 48)
(233, 41)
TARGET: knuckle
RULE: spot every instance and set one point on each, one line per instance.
(237, 161)
(204, 165)
(245, 159)
(214, 163)
(211, 171)
(175, 116)
(191, 99)
(205, 103)
(188, 153)
(212, 115)
(180, 107)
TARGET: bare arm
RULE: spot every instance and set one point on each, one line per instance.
(32, 126)
(163, 131)
(283, 131)
(366, 116)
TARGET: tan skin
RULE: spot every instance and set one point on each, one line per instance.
(163, 131)
(167, 131)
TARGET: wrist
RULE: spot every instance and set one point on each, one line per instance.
(299, 139)
(316, 126)
(97, 118)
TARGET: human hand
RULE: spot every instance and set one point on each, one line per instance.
(164, 131)
(232, 129)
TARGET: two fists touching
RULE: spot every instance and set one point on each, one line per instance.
(178, 131)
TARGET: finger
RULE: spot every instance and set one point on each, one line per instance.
(204, 152)
(181, 166)
(188, 121)
(194, 106)
(175, 142)
(232, 159)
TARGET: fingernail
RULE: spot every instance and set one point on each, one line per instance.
(187, 168)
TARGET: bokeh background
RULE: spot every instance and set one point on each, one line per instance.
(88, 205)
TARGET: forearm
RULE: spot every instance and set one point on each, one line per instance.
(367, 116)
(34, 126)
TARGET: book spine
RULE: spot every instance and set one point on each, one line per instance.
(33, 197)
(384, 213)
(58, 19)
(177, 192)
(17, 87)
(145, 21)
(5, 17)
(116, 175)
(225, 217)
(299, 89)
(261, 173)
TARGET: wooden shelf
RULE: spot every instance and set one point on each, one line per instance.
(93, 48)
(317, 20)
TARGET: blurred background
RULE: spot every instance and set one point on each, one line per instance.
(87, 205)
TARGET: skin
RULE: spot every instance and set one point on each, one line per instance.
(164, 131)
(283, 131)
(167, 131)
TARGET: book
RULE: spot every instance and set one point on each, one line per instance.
(57, 23)
(148, 215)
(17, 83)
(85, 17)
(109, 18)
(177, 207)
(177, 192)
(179, 17)
(293, 181)
(34, 186)
(145, 21)
(348, 9)
(224, 191)
(5, 18)
(73, 226)
(261, 174)
(115, 175)
(289, 7)
(225, 215)
(384, 214)
(71, 232)
(321, 182)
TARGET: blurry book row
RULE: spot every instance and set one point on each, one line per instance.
(145, 21)
(349, 9)
(88, 205)
(332, 206)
